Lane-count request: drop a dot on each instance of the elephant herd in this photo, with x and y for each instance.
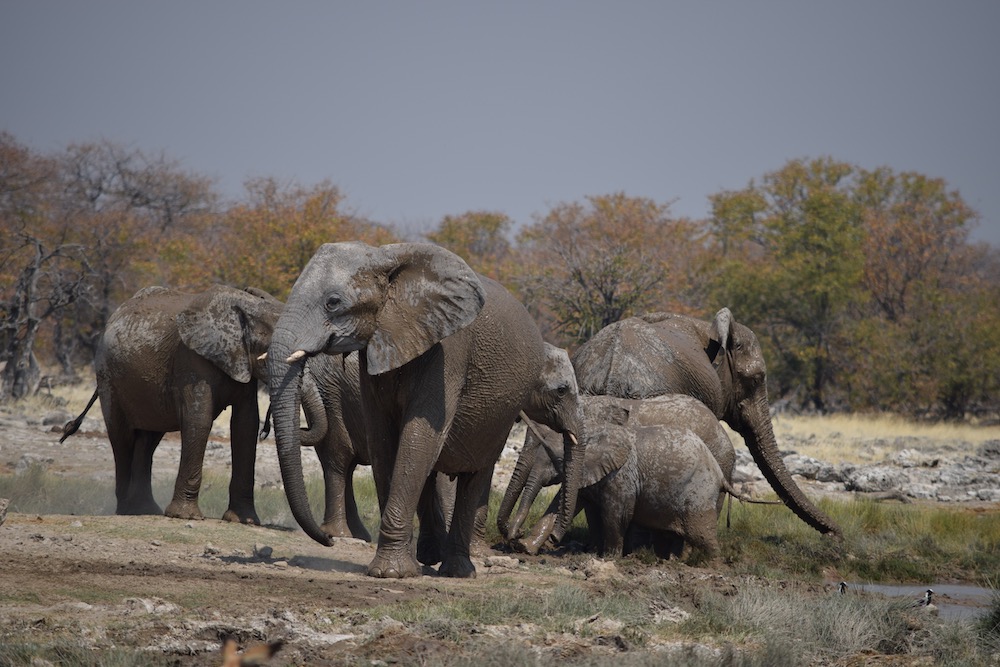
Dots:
(402, 358)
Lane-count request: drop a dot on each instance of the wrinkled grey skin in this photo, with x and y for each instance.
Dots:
(447, 362)
(663, 464)
(171, 361)
(345, 446)
(718, 362)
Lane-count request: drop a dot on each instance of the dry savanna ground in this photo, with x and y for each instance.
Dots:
(81, 586)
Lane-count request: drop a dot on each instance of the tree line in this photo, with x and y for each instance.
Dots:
(863, 286)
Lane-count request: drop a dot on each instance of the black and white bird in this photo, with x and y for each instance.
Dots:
(843, 588)
(926, 600)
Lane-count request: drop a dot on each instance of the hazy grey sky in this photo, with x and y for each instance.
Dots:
(418, 110)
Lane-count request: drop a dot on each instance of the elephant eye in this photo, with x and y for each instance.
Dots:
(332, 302)
(562, 390)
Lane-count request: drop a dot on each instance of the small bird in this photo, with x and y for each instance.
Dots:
(254, 655)
(926, 600)
(843, 588)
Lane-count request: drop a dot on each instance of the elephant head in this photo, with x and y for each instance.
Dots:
(232, 329)
(555, 404)
(392, 302)
(735, 353)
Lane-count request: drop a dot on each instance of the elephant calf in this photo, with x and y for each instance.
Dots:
(663, 464)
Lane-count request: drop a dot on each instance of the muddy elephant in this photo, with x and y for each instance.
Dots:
(718, 362)
(447, 361)
(663, 464)
(172, 361)
(344, 447)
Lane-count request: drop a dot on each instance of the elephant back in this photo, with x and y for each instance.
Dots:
(627, 359)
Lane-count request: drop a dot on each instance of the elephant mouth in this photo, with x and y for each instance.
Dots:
(334, 345)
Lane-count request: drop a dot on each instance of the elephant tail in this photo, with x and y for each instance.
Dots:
(744, 498)
(72, 427)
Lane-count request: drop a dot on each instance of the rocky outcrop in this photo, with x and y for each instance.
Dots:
(908, 473)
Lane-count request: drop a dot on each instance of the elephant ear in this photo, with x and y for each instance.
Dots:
(431, 294)
(608, 449)
(213, 326)
(719, 334)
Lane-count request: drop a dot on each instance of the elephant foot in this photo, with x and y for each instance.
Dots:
(429, 551)
(393, 565)
(251, 518)
(186, 509)
(460, 567)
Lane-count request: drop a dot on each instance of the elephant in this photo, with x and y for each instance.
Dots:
(172, 361)
(447, 360)
(344, 447)
(663, 464)
(718, 362)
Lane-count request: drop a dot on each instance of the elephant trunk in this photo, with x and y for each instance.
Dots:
(285, 385)
(518, 479)
(759, 436)
(573, 465)
(536, 482)
(315, 411)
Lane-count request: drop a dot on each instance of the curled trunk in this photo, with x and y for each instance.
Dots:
(315, 411)
(285, 384)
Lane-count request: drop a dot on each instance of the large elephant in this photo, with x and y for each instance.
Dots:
(663, 464)
(449, 360)
(345, 446)
(718, 362)
(172, 361)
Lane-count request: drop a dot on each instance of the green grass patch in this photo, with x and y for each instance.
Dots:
(882, 541)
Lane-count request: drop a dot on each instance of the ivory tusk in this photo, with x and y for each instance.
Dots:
(262, 357)
(295, 356)
(572, 438)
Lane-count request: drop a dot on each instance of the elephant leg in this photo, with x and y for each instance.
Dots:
(479, 545)
(701, 532)
(123, 447)
(399, 496)
(195, 417)
(468, 497)
(615, 519)
(243, 436)
(433, 522)
(354, 522)
(139, 491)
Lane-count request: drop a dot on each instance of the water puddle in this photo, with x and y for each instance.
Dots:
(954, 601)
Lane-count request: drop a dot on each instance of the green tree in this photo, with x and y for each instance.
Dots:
(791, 268)
(926, 338)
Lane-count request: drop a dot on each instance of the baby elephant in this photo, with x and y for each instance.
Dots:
(661, 464)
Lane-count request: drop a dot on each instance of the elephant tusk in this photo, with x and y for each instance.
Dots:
(295, 356)
(262, 357)
(531, 426)
(572, 438)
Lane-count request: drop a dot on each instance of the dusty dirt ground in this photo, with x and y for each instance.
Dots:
(175, 588)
